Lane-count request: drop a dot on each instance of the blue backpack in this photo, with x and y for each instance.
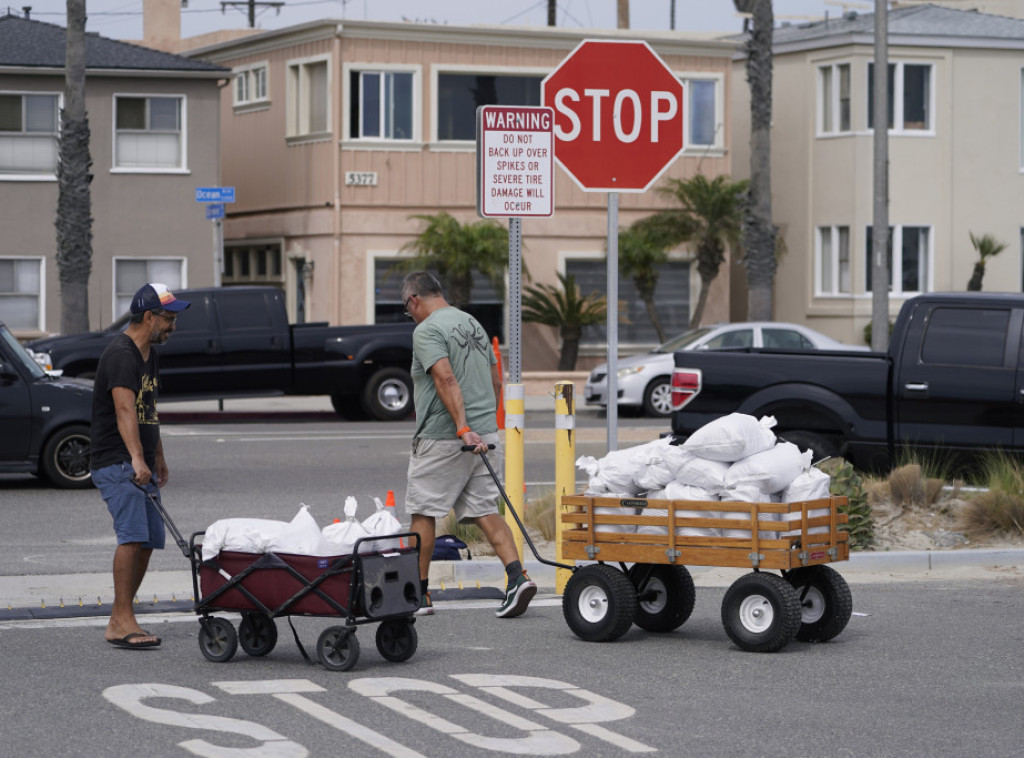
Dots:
(447, 547)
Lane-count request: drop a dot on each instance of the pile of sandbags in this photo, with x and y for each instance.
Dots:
(736, 458)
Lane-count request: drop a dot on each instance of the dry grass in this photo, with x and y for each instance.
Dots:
(1001, 509)
(540, 515)
(909, 485)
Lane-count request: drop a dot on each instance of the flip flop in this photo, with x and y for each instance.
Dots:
(126, 643)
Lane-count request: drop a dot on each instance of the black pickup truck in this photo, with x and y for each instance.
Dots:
(237, 342)
(950, 386)
(45, 420)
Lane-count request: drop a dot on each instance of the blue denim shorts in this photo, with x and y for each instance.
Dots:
(136, 519)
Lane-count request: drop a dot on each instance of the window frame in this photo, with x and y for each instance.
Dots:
(182, 167)
(350, 141)
(8, 176)
(40, 260)
(250, 73)
(835, 100)
(897, 94)
(297, 84)
(834, 240)
(718, 143)
(896, 262)
(183, 269)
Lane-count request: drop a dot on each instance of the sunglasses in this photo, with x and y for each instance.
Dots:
(405, 305)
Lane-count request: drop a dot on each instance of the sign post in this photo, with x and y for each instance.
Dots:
(215, 197)
(618, 127)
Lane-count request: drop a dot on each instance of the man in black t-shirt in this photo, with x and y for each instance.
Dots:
(128, 463)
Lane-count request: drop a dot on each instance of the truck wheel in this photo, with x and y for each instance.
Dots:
(821, 445)
(665, 596)
(599, 604)
(761, 613)
(65, 457)
(349, 407)
(658, 398)
(388, 395)
(825, 602)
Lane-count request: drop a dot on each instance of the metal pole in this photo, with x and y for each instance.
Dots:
(880, 221)
(218, 252)
(565, 469)
(515, 299)
(613, 321)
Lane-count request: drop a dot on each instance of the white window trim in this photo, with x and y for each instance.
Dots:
(350, 142)
(35, 177)
(1020, 94)
(897, 262)
(118, 258)
(41, 314)
(718, 146)
(255, 103)
(819, 260)
(819, 125)
(372, 256)
(183, 168)
(293, 120)
(897, 99)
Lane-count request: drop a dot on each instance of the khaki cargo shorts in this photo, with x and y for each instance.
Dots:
(442, 478)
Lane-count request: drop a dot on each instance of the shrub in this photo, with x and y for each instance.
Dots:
(846, 481)
(1001, 508)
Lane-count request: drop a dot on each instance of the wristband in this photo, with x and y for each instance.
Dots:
(462, 431)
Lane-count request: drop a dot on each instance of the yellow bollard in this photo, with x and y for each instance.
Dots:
(515, 456)
(565, 468)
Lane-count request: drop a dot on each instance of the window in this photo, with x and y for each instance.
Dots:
(910, 270)
(965, 337)
(785, 339)
(251, 85)
(701, 118)
(910, 99)
(459, 95)
(308, 98)
(132, 273)
(148, 132)
(834, 99)
(671, 299)
(28, 134)
(253, 264)
(738, 338)
(833, 260)
(381, 105)
(21, 290)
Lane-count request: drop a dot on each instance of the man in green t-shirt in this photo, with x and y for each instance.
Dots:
(456, 386)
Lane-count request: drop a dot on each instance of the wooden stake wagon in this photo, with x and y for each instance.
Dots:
(761, 612)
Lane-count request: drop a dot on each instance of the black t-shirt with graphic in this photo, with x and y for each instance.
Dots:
(121, 365)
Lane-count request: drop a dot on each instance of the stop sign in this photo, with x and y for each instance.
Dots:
(618, 115)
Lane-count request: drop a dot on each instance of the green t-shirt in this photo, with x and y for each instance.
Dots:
(455, 335)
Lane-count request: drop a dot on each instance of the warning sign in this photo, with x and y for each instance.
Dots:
(515, 160)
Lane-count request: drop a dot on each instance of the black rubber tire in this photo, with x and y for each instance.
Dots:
(349, 407)
(658, 398)
(337, 648)
(257, 634)
(761, 613)
(387, 395)
(674, 596)
(397, 639)
(826, 604)
(65, 457)
(217, 639)
(822, 446)
(599, 603)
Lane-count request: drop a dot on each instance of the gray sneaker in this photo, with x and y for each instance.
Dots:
(517, 597)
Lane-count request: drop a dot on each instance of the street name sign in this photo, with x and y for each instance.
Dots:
(215, 194)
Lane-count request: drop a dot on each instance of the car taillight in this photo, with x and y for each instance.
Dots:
(685, 386)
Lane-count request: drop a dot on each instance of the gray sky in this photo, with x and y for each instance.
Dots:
(122, 19)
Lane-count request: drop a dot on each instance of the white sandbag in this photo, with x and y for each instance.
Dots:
(748, 493)
(656, 463)
(606, 510)
(703, 473)
(772, 470)
(342, 535)
(301, 536)
(381, 523)
(677, 491)
(612, 473)
(241, 535)
(813, 484)
(732, 437)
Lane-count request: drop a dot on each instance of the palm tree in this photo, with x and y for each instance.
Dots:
(643, 246)
(74, 206)
(566, 310)
(455, 250)
(710, 217)
(986, 247)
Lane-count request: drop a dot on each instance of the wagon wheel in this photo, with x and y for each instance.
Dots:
(825, 602)
(217, 639)
(337, 648)
(257, 634)
(397, 639)
(761, 612)
(665, 596)
(599, 604)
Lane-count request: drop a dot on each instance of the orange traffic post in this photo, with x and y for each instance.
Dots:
(501, 373)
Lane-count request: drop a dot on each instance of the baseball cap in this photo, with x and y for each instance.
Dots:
(155, 295)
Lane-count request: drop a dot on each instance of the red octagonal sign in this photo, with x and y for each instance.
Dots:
(618, 115)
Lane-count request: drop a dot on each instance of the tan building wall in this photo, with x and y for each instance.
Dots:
(294, 191)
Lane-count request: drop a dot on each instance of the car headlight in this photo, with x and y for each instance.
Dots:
(624, 372)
